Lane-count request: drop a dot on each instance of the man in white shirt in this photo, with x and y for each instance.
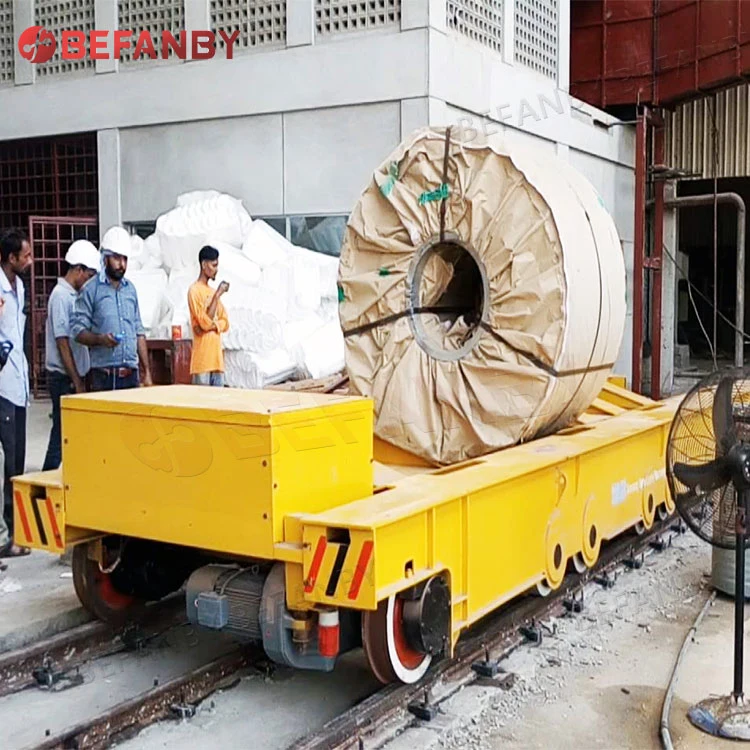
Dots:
(67, 362)
(15, 260)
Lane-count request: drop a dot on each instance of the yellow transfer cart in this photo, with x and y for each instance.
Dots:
(287, 522)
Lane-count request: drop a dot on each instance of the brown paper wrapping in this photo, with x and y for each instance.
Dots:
(548, 267)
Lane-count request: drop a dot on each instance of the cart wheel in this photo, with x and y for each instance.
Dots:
(663, 513)
(97, 593)
(388, 652)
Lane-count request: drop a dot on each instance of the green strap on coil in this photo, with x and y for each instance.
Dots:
(387, 186)
(435, 195)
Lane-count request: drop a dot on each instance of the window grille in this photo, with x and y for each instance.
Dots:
(536, 35)
(261, 23)
(480, 20)
(154, 16)
(341, 17)
(59, 15)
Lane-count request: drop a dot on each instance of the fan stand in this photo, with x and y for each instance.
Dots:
(729, 715)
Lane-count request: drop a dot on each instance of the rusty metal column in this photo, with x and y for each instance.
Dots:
(654, 263)
(639, 246)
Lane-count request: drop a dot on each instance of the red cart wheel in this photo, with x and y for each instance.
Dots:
(388, 652)
(97, 593)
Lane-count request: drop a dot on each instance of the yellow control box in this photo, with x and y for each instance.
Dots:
(214, 468)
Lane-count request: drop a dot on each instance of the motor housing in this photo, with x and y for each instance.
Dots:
(250, 604)
(227, 598)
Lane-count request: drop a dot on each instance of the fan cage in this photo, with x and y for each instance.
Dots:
(710, 515)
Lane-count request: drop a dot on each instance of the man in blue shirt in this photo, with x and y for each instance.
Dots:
(67, 361)
(15, 261)
(107, 319)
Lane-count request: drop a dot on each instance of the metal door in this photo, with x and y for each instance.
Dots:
(50, 238)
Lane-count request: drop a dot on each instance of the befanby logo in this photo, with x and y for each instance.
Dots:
(37, 45)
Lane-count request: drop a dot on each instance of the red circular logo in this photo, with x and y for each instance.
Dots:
(36, 44)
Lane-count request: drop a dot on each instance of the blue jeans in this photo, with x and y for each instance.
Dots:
(59, 385)
(209, 378)
(108, 380)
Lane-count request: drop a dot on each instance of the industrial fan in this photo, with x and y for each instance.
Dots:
(708, 471)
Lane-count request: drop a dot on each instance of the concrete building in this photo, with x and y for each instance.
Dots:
(316, 95)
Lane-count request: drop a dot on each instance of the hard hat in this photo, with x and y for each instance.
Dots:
(83, 253)
(117, 240)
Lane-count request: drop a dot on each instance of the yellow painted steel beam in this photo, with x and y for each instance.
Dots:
(296, 478)
(495, 526)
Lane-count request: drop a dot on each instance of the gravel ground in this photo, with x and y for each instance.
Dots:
(598, 678)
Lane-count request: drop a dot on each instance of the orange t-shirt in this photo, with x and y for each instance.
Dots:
(207, 354)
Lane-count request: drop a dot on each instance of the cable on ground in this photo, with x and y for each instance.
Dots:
(666, 737)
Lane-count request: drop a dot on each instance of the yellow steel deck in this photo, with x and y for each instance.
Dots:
(294, 481)
(498, 525)
(217, 469)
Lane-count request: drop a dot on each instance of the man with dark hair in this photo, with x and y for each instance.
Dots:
(208, 320)
(15, 261)
(67, 361)
(107, 319)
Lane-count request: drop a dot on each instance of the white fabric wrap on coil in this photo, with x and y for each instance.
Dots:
(554, 296)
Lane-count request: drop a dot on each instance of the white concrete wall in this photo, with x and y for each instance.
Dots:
(298, 130)
(307, 162)
(368, 68)
(329, 155)
(242, 156)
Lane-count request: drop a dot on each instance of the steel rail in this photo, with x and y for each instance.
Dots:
(486, 643)
(54, 657)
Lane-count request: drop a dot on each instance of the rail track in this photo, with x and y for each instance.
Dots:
(55, 660)
(479, 652)
(58, 659)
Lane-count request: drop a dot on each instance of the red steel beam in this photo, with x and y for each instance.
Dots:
(655, 266)
(639, 246)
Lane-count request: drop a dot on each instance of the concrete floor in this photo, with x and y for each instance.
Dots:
(599, 678)
(38, 425)
(36, 592)
(37, 599)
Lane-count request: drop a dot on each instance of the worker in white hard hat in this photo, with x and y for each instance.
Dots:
(107, 319)
(16, 260)
(67, 361)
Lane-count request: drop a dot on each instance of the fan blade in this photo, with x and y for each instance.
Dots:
(723, 420)
(704, 477)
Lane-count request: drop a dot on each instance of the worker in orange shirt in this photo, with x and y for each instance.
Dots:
(208, 320)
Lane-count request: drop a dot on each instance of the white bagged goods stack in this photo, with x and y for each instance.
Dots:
(235, 267)
(265, 246)
(519, 251)
(136, 258)
(151, 252)
(282, 300)
(322, 352)
(185, 229)
(151, 286)
(256, 319)
(309, 282)
(176, 296)
(195, 196)
(244, 369)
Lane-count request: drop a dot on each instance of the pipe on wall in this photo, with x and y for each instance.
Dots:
(690, 201)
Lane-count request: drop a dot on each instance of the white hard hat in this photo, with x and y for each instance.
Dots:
(117, 240)
(83, 253)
